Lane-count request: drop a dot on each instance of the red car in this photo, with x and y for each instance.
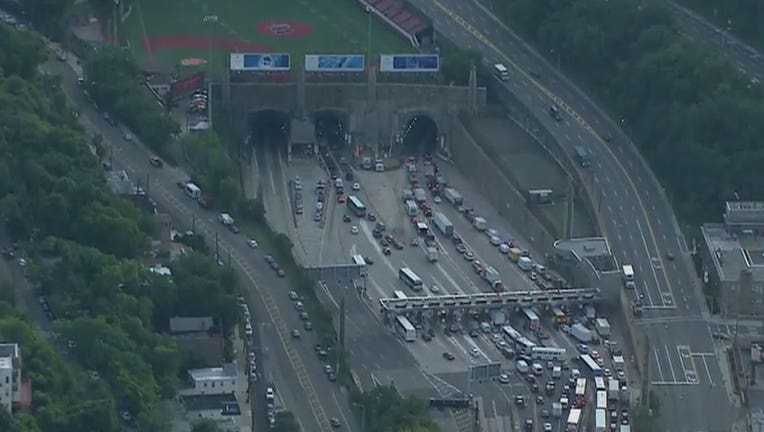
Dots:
(341, 199)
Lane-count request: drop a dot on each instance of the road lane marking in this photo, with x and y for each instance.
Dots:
(562, 104)
(671, 366)
(658, 362)
(649, 256)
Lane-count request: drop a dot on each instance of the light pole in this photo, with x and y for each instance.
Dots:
(116, 4)
(368, 14)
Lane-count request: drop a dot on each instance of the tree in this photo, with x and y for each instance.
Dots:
(205, 425)
(286, 422)
(48, 15)
(456, 65)
(385, 410)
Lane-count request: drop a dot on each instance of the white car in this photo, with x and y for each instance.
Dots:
(547, 427)
(474, 352)
(252, 243)
(434, 288)
(356, 187)
(354, 230)
(437, 200)
(504, 379)
(293, 295)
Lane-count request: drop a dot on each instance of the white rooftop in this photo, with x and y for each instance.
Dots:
(214, 374)
(6, 363)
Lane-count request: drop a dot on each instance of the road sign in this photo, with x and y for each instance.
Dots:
(337, 273)
(485, 371)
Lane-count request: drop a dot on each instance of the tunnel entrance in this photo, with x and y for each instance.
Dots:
(420, 136)
(269, 129)
(330, 129)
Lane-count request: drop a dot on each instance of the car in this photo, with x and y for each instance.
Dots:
(547, 427)
(354, 230)
(293, 295)
(269, 259)
(461, 248)
(328, 369)
(356, 187)
(298, 306)
(346, 218)
(398, 245)
(341, 199)
(386, 251)
(335, 422)
(520, 400)
(252, 243)
(607, 373)
(308, 326)
(600, 362)
(280, 272)
(155, 161)
(474, 352)
(469, 255)
(437, 199)
(620, 374)
(127, 137)
(296, 334)
(669, 256)
(434, 288)
(504, 378)
(304, 316)
(368, 260)
(371, 217)
(607, 137)
(448, 356)
(474, 334)
(544, 413)
(332, 377)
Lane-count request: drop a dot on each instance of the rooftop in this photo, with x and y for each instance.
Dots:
(744, 212)
(733, 253)
(9, 350)
(6, 363)
(217, 373)
(227, 403)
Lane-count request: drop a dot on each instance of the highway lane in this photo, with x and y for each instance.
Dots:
(638, 219)
(304, 380)
(745, 57)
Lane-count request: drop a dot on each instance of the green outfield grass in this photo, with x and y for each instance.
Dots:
(205, 28)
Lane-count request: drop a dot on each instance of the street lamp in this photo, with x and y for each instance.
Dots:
(368, 14)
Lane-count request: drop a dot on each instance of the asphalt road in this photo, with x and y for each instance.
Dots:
(638, 219)
(746, 58)
(298, 376)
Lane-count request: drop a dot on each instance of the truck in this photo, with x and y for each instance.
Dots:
(581, 333)
(600, 420)
(628, 276)
(453, 197)
(444, 225)
(556, 372)
(411, 208)
(557, 409)
(525, 263)
(625, 428)
(432, 253)
(420, 195)
(514, 254)
(618, 362)
(493, 278)
(603, 327)
(613, 390)
(429, 170)
(479, 223)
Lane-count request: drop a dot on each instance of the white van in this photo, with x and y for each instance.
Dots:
(225, 219)
(521, 366)
(504, 248)
(485, 327)
(192, 190)
(501, 71)
(538, 369)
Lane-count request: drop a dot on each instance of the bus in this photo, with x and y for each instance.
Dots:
(560, 317)
(602, 400)
(405, 328)
(599, 383)
(591, 364)
(548, 353)
(522, 343)
(574, 418)
(356, 206)
(534, 324)
(410, 278)
(358, 260)
(399, 295)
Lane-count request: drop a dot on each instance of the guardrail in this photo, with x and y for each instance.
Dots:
(491, 300)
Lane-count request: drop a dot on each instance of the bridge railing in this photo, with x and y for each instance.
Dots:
(491, 300)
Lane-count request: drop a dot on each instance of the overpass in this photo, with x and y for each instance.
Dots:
(489, 300)
(375, 113)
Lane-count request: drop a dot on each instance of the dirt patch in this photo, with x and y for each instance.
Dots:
(201, 42)
(284, 29)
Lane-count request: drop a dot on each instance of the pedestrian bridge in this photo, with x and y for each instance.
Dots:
(490, 300)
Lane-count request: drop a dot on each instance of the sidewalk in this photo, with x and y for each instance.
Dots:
(242, 393)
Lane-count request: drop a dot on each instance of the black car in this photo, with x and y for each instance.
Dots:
(368, 260)
(346, 218)
(448, 356)
(386, 251)
(371, 217)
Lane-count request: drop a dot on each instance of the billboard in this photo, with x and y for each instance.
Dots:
(260, 62)
(186, 86)
(409, 63)
(334, 63)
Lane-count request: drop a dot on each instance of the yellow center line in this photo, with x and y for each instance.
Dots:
(577, 117)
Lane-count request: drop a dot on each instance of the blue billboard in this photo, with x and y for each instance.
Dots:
(334, 63)
(409, 63)
(260, 62)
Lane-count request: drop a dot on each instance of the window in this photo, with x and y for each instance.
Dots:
(213, 384)
(205, 384)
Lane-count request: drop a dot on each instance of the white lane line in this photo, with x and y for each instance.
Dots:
(671, 366)
(658, 362)
(448, 277)
(708, 371)
(649, 257)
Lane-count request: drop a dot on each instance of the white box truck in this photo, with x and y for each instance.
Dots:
(444, 225)
(581, 333)
(628, 276)
(614, 390)
(479, 223)
(494, 279)
(557, 409)
(603, 327)
(411, 208)
(453, 197)
(420, 195)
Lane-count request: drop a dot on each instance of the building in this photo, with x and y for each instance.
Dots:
(14, 393)
(223, 409)
(191, 324)
(212, 381)
(732, 255)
